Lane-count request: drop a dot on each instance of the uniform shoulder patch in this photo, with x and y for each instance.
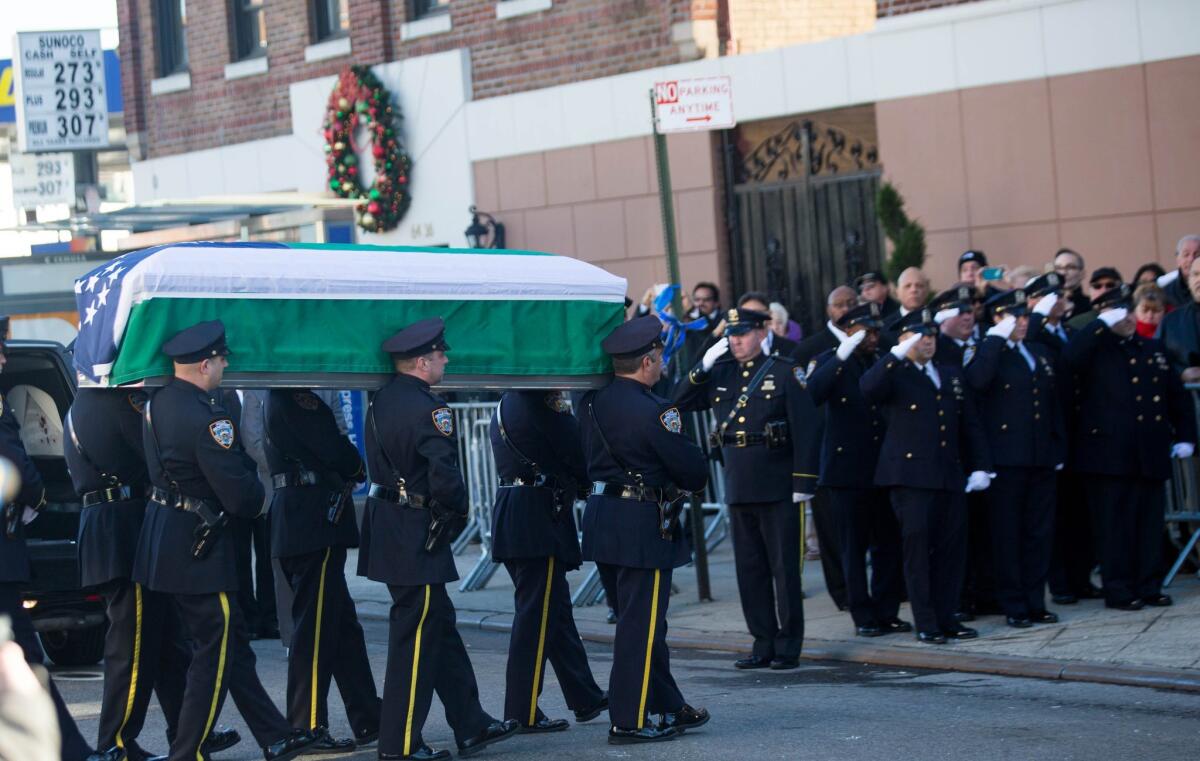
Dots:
(557, 401)
(443, 420)
(801, 378)
(222, 432)
(671, 420)
(306, 400)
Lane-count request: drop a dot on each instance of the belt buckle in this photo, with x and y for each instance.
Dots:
(739, 438)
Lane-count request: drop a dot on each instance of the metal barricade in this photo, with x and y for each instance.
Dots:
(473, 420)
(1183, 501)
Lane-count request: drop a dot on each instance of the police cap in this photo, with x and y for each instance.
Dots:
(417, 340)
(201, 341)
(742, 320)
(634, 338)
(1121, 296)
(869, 315)
(1008, 303)
(958, 296)
(867, 278)
(1042, 285)
(918, 321)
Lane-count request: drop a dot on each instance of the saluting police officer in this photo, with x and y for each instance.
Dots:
(642, 467)
(314, 468)
(1016, 386)
(854, 431)
(417, 499)
(933, 435)
(764, 423)
(535, 441)
(200, 477)
(1134, 416)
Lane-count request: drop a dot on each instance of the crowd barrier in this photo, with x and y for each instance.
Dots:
(1183, 502)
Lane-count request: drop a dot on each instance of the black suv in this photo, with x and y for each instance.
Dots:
(39, 382)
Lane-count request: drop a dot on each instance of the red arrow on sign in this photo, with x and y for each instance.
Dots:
(705, 118)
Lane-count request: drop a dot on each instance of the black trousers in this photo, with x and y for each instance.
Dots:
(1075, 538)
(256, 578)
(1129, 517)
(544, 629)
(74, 747)
(1021, 509)
(979, 580)
(327, 644)
(426, 655)
(222, 663)
(144, 652)
(825, 521)
(933, 525)
(866, 523)
(768, 553)
(640, 681)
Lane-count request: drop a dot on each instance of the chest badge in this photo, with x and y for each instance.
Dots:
(222, 432)
(443, 420)
(768, 384)
(671, 420)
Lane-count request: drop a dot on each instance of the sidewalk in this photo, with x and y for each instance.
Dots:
(1156, 647)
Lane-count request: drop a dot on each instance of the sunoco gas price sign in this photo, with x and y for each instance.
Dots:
(60, 91)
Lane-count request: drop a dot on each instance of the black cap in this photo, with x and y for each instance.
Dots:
(418, 339)
(972, 256)
(1106, 272)
(1121, 296)
(634, 338)
(1051, 282)
(1008, 302)
(918, 321)
(868, 314)
(742, 320)
(201, 341)
(959, 295)
(868, 277)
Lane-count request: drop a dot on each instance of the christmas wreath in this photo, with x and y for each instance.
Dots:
(357, 99)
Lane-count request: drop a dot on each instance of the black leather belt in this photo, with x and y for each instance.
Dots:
(743, 439)
(541, 480)
(179, 501)
(388, 494)
(625, 491)
(296, 478)
(117, 493)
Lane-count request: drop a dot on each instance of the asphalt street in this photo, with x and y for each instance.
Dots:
(820, 711)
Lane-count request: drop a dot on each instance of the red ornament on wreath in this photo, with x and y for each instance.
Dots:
(359, 99)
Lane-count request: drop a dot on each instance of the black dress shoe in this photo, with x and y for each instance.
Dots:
(323, 742)
(753, 662)
(1159, 600)
(423, 753)
(1044, 617)
(1018, 622)
(785, 664)
(931, 638)
(1135, 604)
(684, 719)
(870, 630)
(300, 741)
(960, 632)
(963, 616)
(544, 724)
(590, 713)
(1091, 592)
(493, 733)
(1064, 599)
(366, 738)
(618, 736)
(896, 626)
(611, 617)
(221, 738)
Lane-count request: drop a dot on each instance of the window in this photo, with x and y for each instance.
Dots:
(425, 8)
(249, 29)
(170, 27)
(331, 18)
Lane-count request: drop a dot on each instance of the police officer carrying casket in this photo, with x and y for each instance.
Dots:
(642, 467)
(764, 423)
(417, 499)
(200, 476)
(314, 469)
(854, 432)
(1016, 386)
(535, 441)
(933, 436)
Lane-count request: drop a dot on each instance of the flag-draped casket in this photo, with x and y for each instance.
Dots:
(316, 314)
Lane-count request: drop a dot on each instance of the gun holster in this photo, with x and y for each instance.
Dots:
(444, 525)
(775, 434)
(714, 447)
(211, 523)
(337, 503)
(669, 511)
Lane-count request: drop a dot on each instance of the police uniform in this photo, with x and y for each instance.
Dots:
(14, 561)
(637, 457)
(854, 432)
(764, 422)
(1016, 386)
(932, 435)
(535, 441)
(953, 350)
(412, 456)
(313, 470)
(1133, 408)
(201, 477)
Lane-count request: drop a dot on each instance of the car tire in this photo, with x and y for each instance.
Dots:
(76, 647)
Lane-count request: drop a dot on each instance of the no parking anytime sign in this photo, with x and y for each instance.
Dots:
(688, 105)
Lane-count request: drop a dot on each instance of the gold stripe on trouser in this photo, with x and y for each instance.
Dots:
(412, 690)
(803, 537)
(537, 668)
(649, 650)
(137, 657)
(317, 639)
(212, 711)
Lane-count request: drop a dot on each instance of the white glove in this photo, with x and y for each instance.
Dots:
(1113, 316)
(900, 350)
(979, 480)
(798, 497)
(1183, 450)
(1004, 328)
(28, 516)
(1046, 304)
(713, 354)
(1168, 278)
(849, 344)
(946, 314)
(1060, 466)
